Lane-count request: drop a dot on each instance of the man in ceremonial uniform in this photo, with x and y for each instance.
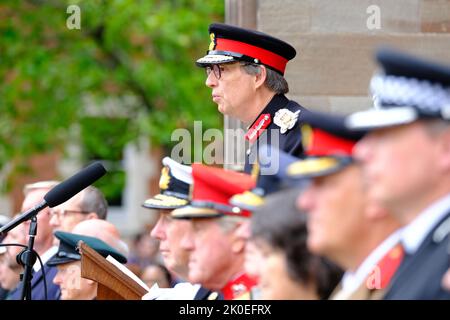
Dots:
(174, 193)
(245, 70)
(406, 161)
(174, 185)
(342, 224)
(216, 251)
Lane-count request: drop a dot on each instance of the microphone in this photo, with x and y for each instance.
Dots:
(61, 193)
(70, 187)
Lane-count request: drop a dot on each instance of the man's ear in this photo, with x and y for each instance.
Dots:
(237, 242)
(444, 146)
(91, 215)
(261, 76)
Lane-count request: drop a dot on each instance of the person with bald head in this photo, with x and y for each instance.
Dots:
(73, 286)
(103, 230)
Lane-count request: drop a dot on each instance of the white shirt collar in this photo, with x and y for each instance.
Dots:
(351, 281)
(416, 231)
(45, 257)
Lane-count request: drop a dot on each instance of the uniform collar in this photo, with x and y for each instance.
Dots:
(277, 102)
(415, 232)
(265, 118)
(352, 280)
(45, 257)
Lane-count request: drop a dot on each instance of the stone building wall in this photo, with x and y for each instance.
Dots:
(335, 41)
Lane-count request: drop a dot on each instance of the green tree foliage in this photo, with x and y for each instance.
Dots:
(141, 51)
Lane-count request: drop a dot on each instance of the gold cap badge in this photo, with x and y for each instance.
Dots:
(212, 45)
(164, 180)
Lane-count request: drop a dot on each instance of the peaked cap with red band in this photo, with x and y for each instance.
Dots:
(211, 192)
(230, 43)
(328, 145)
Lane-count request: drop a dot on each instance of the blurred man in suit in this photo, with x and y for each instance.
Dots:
(3, 221)
(406, 160)
(9, 272)
(10, 269)
(90, 203)
(43, 243)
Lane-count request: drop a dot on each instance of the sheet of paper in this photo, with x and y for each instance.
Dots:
(128, 272)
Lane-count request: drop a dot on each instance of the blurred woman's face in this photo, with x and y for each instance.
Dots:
(275, 282)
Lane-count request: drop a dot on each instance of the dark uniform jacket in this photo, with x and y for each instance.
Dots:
(206, 294)
(260, 132)
(37, 286)
(420, 275)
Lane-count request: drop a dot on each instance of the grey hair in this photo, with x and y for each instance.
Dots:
(229, 223)
(93, 200)
(274, 81)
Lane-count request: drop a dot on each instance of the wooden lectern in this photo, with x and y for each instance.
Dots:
(113, 284)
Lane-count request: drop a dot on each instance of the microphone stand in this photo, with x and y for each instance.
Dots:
(27, 258)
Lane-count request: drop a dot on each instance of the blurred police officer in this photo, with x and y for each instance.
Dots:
(406, 158)
(245, 70)
(342, 224)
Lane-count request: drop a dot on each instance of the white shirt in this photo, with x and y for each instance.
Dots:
(351, 281)
(417, 230)
(45, 257)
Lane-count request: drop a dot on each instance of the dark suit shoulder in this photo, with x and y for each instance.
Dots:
(420, 276)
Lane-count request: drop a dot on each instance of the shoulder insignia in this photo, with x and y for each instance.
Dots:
(213, 296)
(307, 136)
(285, 119)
